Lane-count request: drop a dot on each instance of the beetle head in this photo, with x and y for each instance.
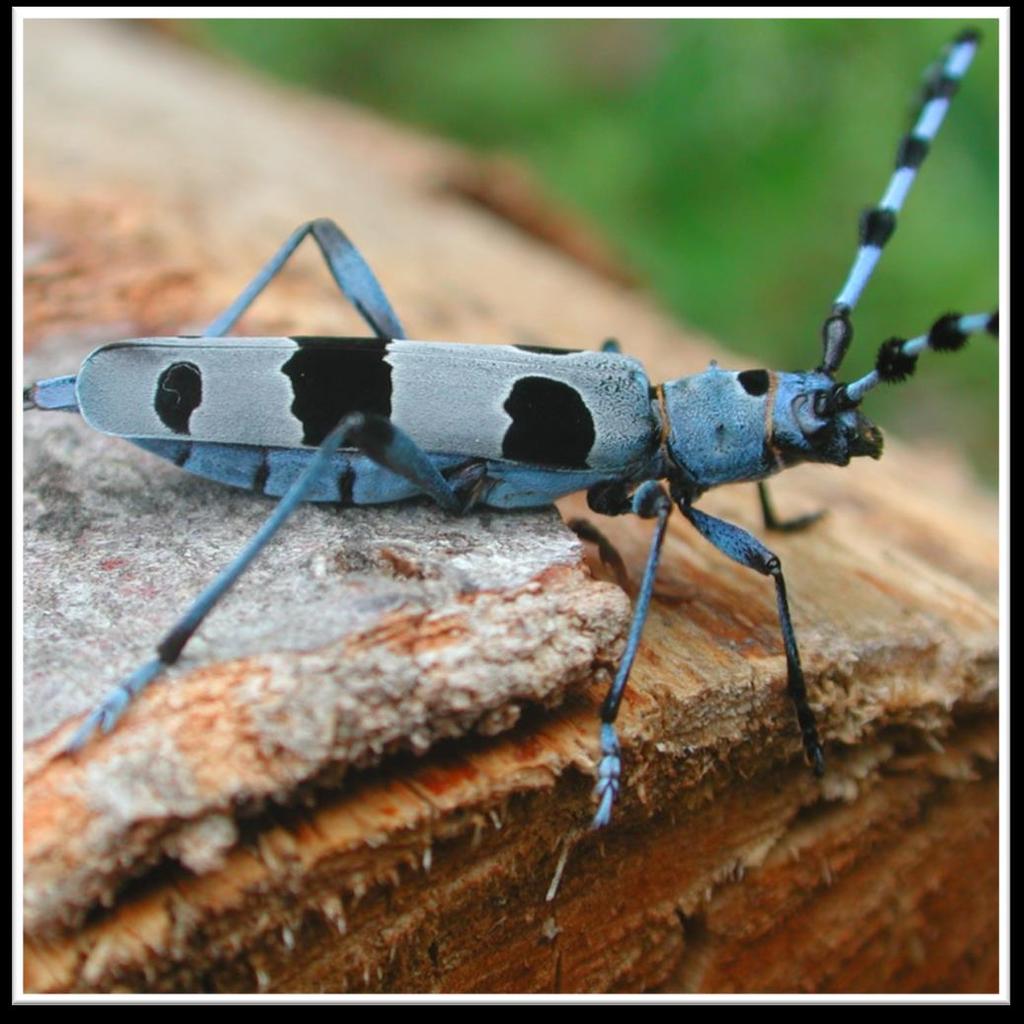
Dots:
(813, 422)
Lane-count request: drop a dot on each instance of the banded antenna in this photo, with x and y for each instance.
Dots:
(878, 223)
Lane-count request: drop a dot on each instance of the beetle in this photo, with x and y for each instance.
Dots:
(358, 421)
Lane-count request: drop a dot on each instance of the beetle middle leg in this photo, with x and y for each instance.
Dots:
(649, 501)
(372, 435)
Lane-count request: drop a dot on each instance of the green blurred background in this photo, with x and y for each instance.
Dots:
(726, 162)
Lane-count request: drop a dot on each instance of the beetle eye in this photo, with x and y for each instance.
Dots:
(823, 403)
(808, 417)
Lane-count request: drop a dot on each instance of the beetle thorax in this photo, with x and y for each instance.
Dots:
(717, 423)
(727, 426)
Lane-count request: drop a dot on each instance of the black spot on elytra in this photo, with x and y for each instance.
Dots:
(754, 382)
(179, 392)
(332, 377)
(551, 424)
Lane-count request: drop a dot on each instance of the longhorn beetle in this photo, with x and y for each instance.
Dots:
(358, 422)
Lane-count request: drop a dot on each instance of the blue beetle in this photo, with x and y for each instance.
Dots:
(369, 421)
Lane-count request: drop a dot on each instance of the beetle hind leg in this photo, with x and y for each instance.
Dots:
(350, 271)
(372, 435)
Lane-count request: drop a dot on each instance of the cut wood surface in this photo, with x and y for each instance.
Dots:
(373, 770)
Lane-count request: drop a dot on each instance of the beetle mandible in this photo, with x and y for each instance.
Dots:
(356, 422)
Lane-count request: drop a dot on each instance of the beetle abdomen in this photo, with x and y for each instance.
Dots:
(353, 479)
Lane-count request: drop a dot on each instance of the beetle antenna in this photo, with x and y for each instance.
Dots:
(897, 357)
(878, 223)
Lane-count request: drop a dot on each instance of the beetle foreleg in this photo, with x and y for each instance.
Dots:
(746, 549)
(772, 522)
(649, 502)
(348, 268)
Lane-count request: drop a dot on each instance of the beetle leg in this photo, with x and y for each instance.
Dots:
(586, 530)
(350, 271)
(469, 482)
(650, 501)
(372, 435)
(747, 550)
(772, 522)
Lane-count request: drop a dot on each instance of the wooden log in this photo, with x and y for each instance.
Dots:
(254, 822)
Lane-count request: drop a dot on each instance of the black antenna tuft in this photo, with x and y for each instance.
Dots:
(892, 364)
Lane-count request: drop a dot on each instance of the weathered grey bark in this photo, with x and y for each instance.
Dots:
(156, 183)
